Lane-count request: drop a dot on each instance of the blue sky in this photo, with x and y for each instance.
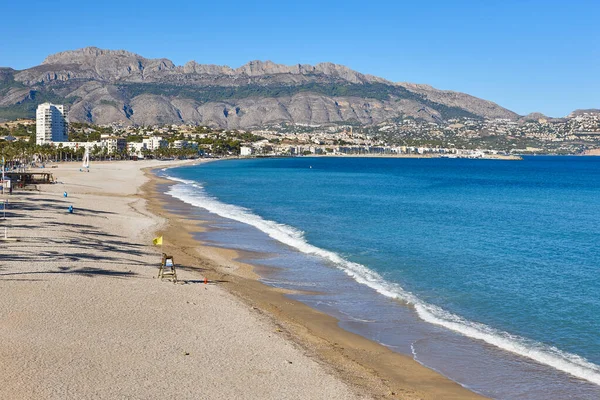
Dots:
(526, 55)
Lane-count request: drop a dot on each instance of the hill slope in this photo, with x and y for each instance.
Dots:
(104, 86)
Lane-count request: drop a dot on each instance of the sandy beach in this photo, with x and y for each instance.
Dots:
(84, 316)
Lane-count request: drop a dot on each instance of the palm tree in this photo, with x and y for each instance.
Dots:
(79, 153)
(95, 150)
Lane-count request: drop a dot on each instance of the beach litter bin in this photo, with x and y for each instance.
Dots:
(70, 209)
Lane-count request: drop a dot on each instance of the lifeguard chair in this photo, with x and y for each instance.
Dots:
(167, 268)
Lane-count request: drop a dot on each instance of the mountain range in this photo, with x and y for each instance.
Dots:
(108, 86)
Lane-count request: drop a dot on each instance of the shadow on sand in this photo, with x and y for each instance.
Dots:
(85, 271)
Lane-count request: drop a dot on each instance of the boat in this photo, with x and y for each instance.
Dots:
(86, 159)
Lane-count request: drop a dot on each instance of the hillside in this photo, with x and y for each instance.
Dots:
(105, 86)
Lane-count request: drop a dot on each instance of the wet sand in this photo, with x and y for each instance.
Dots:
(360, 362)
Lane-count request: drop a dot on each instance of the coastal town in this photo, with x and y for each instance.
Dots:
(56, 138)
(311, 200)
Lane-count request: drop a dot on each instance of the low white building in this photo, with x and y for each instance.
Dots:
(114, 144)
(246, 151)
(136, 149)
(179, 144)
(78, 145)
(155, 142)
(111, 144)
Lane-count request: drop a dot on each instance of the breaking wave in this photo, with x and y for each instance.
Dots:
(193, 193)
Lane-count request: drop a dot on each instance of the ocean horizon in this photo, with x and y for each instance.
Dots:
(482, 270)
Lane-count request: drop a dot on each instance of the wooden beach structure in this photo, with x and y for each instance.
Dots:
(20, 179)
(167, 268)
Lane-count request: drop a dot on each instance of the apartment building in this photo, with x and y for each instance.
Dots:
(51, 124)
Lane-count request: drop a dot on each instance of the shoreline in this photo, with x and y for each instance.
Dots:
(421, 156)
(360, 362)
(408, 156)
(84, 316)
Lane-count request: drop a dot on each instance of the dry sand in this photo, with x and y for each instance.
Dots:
(83, 315)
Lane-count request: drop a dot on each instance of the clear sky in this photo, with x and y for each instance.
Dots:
(526, 55)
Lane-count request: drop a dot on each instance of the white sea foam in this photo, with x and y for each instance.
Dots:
(192, 193)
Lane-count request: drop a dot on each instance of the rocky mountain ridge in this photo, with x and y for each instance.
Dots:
(106, 86)
(111, 65)
(575, 113)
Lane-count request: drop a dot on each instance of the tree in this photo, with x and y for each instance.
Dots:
(95, 151)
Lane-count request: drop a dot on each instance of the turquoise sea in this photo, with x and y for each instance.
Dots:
(486, 271)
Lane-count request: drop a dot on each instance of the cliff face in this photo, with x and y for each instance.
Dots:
(104, 86)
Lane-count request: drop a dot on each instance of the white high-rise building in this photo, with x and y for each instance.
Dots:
(51, 124)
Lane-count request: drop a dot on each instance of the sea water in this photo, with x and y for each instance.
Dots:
(486, 271)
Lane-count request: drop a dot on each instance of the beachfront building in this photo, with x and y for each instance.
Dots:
(154, 142)
(136, 149)
(114, 144)
(51, 124)
(179, 144)
(92, 146)
(245, 151)
(106, 146)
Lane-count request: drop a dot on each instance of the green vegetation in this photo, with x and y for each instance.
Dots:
(84, 137)
(220, 146)
(22, 152)
(84, 132)
(134, 139)
(206, 94)
(110, 103)
(26, 108)
(19, 130)
(7, 81)
(248, 137)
